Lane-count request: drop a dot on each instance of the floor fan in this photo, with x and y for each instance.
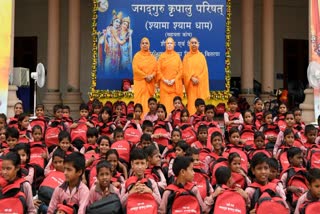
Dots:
(39, 80)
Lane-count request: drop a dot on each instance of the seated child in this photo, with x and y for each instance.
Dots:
(72, 190)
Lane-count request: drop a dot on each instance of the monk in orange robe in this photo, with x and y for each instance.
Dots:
(195, 75)
(144, 66)
(170, 75)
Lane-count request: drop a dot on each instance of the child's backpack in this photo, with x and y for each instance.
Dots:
(188, 134)
(238, 180)
(67, 208)
(296, 177)
(247, 135)
(130, 108)
(175, 117)
(132, 134)
(266, 201)
(140, 203)
(25, 138)
(94, 119)
(80, 131)
(13, 123)
(51, 136)
(309, 207)
(258, 119)
(196, 118)
(218, 163)
(109, 104)
(243, 156)
(12, 198)
(161, 127)
(182, 199)
(229, 202)
(232, 117)
(201, 180)
(123, 148)
(105, 129)
(220, 109)
(53, 180)
(37, 149)
(40, 121)
(283, 160)
(313, 158)
(110, 204)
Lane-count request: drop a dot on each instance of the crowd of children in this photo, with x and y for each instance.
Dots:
(116, 159)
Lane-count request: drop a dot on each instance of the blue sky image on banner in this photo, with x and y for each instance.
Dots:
(121, 24)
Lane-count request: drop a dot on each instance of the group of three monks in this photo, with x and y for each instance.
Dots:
(170, 73)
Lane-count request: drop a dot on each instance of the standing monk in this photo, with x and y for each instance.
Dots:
(195, 75)
(170, 75)
(144, 66)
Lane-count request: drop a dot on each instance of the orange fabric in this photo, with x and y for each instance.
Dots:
(195, 65)
(170, 67)
(143, 64)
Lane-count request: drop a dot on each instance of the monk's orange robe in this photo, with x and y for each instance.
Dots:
(144, 64)
(195, 65)
(170, 67)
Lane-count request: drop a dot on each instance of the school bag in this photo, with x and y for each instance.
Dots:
(140, 203)
(182, 199)
(313, 157)
(266, 201)
(40, 121)
(201, 180)
(37, 149)
(244, 158)
(175, 117)
(296, 177)
(283, 160)
(132, 134)
(67, 208)
(188, 134)
(161, 127)
(25, 138)
(218, 163)
(51, 136)
(106, 205)
(12, 198)
(130, 108)
(309, 207)
(80, 131)
(123, 148)
(229, 202)
(220, 109)
(13, 123)
(53, 180)
(247, 135)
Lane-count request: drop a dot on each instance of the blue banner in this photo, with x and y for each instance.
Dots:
(121, 24)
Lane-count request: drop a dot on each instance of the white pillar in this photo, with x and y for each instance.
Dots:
(52, 95)
(73, 95)
(247, 52)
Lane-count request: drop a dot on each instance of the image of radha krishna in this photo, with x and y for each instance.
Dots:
(115, 46)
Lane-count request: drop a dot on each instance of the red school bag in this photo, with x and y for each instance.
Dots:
(266, 201)
(40, 121)
(283, 160)
(182, 199)
(51, 136)
(161, 127)
(188, 134)
(313, 157)
(140, 203)
(37, 149)
(130, 108)
(80, 131)
(175, 117)
(132, 134)
(12, 198)
(53, 180)
(309, 207)
(229, 202)
(123, 148)
(201, 180)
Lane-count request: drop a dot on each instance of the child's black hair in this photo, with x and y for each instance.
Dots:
(176, 130)
(313, 175)
(138, 105)
(257, 99)
(309, 128)
(4, 117)
(57, 107)
(258, 134)
(266, 113)
(215, 134)
(40, 106)
(184, 111)
(25, 147)
(117, 131)
(288, 113)
(78, 143)
(77, 160)
(194, 151)
(202, 128)
(21, 117)
(257, 159)
(222, 174)
(183, 145)
(209, 107)
(152, 99)
(35, 128)
(198, 102)
(112, 151)
(66, 107)
(177, 98)
(137, 154)
(273, 163)
(150, 150)
(146, 124)
(12, 132)
(181, 163)
(145, 137)
(103, 137)
(103, 164)
(287, 131)
(92, 132)
(83, 106)
(232, 99)
(232, 156)
(292, 151)
(16, 161)
(64, 134)
(59, 153)
(250, 111)
(108, 110)
(233, 130)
